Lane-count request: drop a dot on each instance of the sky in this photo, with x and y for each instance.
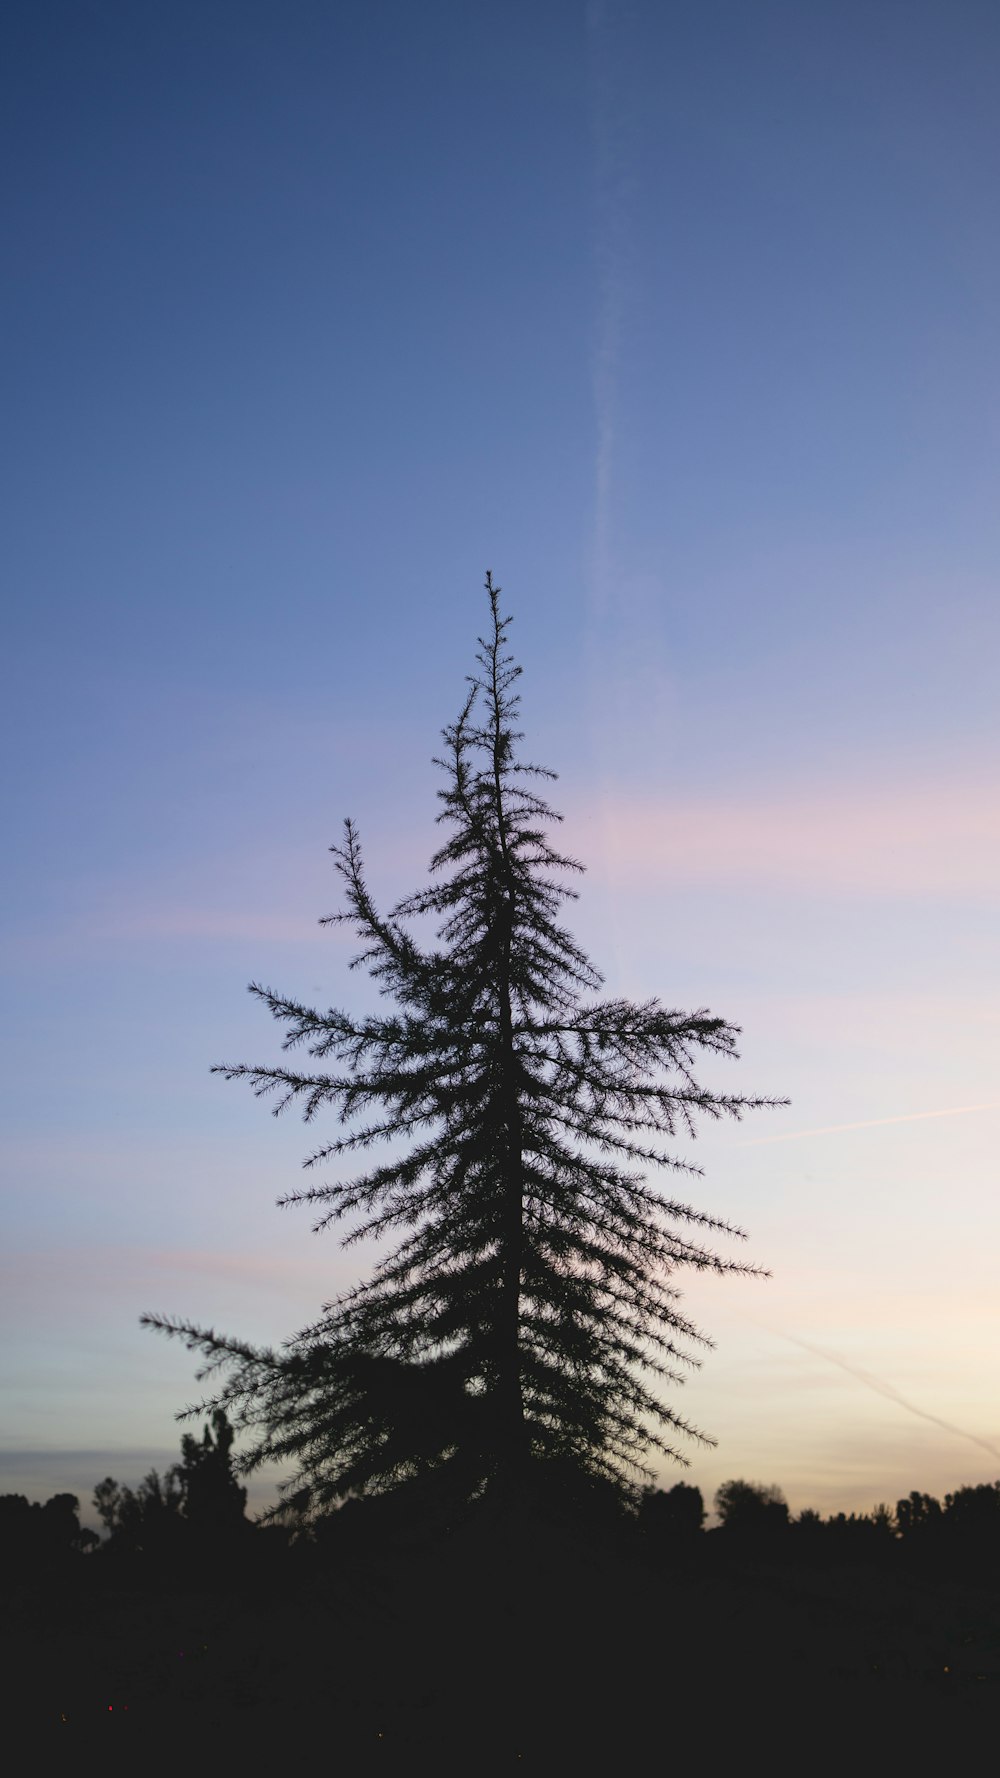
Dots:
(682, 319)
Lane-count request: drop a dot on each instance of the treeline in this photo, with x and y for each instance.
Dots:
(190, 1524)
(962, 1531)
(193, 1515)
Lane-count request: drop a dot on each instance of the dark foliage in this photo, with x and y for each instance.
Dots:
(751, 1507)
(213, 1502)
(41, 1539)
(975, 1510)
(918, 1515)
(141, 1516)
(569, 1642)
(672, 1515)
(188, 1519)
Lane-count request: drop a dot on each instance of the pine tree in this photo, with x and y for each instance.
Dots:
(527, 1315)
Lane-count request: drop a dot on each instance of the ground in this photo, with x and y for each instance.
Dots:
(563, 1656)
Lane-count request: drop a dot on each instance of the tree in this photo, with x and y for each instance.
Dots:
(42, 1539)
(751, 1506)
(672, 1513)
(213, 1501)
(918, 1516)
(883, 1520)
(145, 1517)
(201, 1490)
(528, 1312)
(974, 1509)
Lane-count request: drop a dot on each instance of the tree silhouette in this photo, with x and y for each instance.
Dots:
(213, 1501)
(751, 1507)
(201, 1490)
(975, 1510)
(672, 1513)
(528, 1313)
(919, 1516)
(143, 1518)
(41, 1539)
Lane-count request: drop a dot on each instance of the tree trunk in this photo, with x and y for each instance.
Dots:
(512, 1449)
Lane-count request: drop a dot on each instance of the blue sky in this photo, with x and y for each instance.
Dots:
(683, 320)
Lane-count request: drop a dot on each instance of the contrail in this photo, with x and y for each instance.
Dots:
(613, 182)
(605, 358)
(613, 193)
(886, 1389)
(869, 1123)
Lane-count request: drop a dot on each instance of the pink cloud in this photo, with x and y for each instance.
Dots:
(930, 838)
(98, 1269)
(239, 898)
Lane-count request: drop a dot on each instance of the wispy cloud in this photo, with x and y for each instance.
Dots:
(887, 1390)
(907, 839)
(268, 1269)
(245, 894)
(105, 1275)
(869, 1123)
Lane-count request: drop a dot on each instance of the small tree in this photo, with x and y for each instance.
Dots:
(751, 1506)
(41, 1538)
(214, 1503)
(918, 1516)
(674, 1514)
(201, 1489)
(974, 1508)
(146, 1519)
(528, 1312)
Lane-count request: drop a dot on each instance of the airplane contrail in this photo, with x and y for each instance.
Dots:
(613, 185)
(885, 1389)
(868, 1123)
(611, 233)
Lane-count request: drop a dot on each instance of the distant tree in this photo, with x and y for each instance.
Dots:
(160, 1497)
(44, 1538)
(918, 1515)
(145, 1518)
(751, 1506)
(974, 1511)
(60, 1521)
(528, 1314)
(14, 1509)
(677, 1512)
(859, 1531)
(109, 1504)
(201, 1491)
(212, 1499)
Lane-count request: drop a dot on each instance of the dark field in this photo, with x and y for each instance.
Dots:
(544, 1652)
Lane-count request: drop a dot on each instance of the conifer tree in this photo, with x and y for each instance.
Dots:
(527, 1312)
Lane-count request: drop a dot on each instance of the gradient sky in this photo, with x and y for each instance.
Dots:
(684, 319)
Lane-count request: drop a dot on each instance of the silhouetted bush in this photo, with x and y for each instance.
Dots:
(975, 1511)
(41, 1539)
(672, 1515)
(918, 1517)
(751, 1509)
